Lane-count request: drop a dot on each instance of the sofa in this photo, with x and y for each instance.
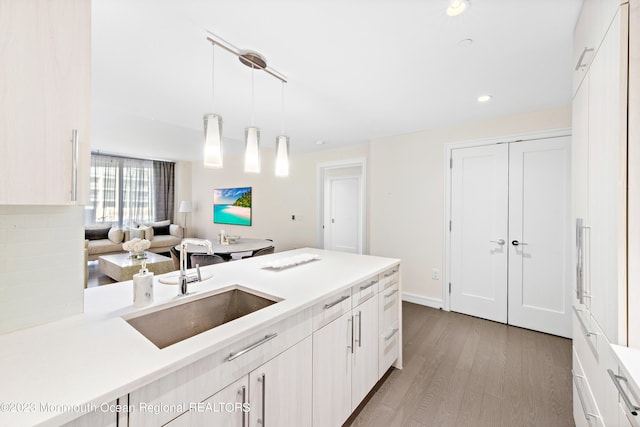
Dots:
(108, 239)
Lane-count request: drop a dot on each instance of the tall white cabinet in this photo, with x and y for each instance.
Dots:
(599, 197)
(45, 71)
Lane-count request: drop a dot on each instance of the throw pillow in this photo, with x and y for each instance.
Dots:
(162, 230)
(148, 232)
(136, 232)
(96, 233)
(116, 235)
(160, 223)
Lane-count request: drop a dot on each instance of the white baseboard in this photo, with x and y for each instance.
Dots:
(418, 299)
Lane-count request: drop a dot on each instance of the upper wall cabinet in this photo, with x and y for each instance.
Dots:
(595, 18)
(45, 60)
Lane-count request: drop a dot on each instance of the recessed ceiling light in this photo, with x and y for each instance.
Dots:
(484, 98)
(320, 142)
(456, 7)
(465, 42)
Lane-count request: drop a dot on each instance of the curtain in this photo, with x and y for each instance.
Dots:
(137, 192)
(163, 181)
(126, 191)
(103, 203)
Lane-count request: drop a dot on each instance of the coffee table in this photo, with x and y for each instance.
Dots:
(122, 267)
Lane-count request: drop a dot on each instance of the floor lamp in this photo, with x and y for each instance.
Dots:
(185, 208)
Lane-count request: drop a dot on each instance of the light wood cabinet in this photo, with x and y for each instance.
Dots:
(227, 408)
(277, 393)
(345, 358)
(281, 390)
(332, 352)
(45, 64)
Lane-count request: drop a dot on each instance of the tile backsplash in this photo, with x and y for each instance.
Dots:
(41, 264)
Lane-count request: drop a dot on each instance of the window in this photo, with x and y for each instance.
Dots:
(125, 191)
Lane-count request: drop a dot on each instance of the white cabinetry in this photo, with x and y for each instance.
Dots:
(332, 372)
(280, 390)
(45, 58)
(599, 180)
(389, 321)
(278, 393)
(345, 357)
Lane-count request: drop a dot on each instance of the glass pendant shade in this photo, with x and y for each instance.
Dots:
(252, 150)
(282, 155)
(212, 141)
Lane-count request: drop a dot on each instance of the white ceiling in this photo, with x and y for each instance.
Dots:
(357, 69)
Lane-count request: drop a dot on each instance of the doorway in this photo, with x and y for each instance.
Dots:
(342, 206)
(508, 231)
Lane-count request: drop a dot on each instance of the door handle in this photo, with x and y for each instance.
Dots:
(517, 243)
(499, 241)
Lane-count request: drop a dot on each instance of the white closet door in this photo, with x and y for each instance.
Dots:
(479, 214)
(539, 233)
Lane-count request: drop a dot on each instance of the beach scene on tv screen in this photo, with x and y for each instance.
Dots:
(232, 206)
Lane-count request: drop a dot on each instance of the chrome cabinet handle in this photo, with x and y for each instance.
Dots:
(251, 347)
(367, 286)
(587, 332)
(350, 320)
(243, 391)
(336, 302)
(580, 65)
(359, 315)
(586, 412)
(388, 337)
(499, 241)
(74, 165)
(390, 294)
(633, 409)
(518, 243)
(391, 273)
(262, 379)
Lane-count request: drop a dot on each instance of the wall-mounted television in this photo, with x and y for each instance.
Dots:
(232, 206)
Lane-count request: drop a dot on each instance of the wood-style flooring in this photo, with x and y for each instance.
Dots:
(464, 371)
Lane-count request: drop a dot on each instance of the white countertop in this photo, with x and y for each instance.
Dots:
(97, 357)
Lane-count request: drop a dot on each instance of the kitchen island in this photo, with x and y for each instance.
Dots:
(95, 368)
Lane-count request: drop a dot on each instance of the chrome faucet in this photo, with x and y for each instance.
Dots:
(183, 279)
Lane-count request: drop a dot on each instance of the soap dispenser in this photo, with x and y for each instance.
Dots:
(142, 288)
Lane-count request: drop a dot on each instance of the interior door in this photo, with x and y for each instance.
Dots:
(479, 215)
(539, 233)
(342, 227)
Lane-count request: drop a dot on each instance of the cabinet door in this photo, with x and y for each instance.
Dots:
(280, 390)
(580, 182)
(607, 181)
(332, 354)
(45, 60)
(365, 356)
(227, 408)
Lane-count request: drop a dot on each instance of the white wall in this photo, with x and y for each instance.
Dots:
(41, 264)
(407, 194)
(275, 199)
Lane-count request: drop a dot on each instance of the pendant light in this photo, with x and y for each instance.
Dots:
(212, 130)
(282, 147)
(252, 139)
(254, 60)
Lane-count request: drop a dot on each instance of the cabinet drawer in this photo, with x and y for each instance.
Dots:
(364, 290)
(633, 395)
(331, 308)
(585, 411)
(388, 347)
(389, 277)
(388, 302)
(201, 379)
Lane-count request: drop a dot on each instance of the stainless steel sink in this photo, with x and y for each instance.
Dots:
(173, 324)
